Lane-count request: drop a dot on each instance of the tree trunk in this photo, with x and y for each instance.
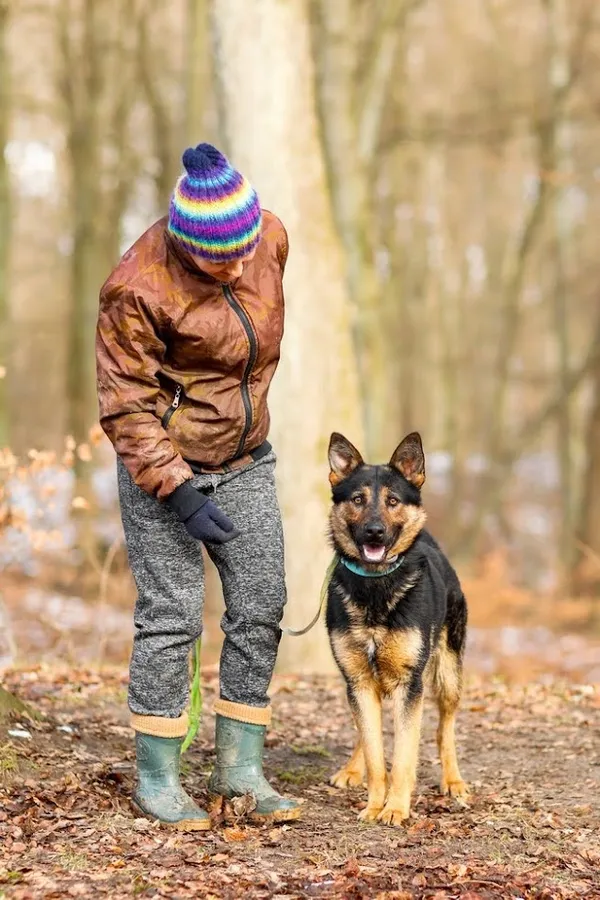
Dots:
(265, 69)
(351, 125)
(5, 220)
(585, 575)
(559, 76)
(201, 115)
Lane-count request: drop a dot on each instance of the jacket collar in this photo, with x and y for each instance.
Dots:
(184, 259)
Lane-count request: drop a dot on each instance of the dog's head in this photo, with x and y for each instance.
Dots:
(377, 511)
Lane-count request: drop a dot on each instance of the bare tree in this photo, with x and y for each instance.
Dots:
(559, 78)
(270, 123)
(81, 89)
(356, 49)
(5, 217)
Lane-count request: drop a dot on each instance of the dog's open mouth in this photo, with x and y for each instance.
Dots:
(373, 552)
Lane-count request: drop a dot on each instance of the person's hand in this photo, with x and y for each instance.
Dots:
(202, 518)
(211, 525)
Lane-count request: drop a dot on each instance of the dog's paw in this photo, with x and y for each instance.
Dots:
(459, 790)
(393, 815)
(347, 778)
(370, 814)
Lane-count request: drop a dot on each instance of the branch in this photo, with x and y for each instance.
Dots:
(530, 431)
(379, 75)
(532, 428)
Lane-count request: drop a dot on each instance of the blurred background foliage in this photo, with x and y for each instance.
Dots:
(436, 167)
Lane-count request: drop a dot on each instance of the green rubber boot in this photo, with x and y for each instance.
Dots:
(158, 792)
(239, 771)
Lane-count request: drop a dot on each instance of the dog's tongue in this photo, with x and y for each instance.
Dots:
(374, 552)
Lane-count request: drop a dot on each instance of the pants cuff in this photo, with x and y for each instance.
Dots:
(157, 726)
(252, 715)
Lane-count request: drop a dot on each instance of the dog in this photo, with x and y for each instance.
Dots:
(396, 619)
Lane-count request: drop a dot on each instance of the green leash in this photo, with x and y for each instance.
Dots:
(195, 713)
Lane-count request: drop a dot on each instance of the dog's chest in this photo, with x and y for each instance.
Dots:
(378, 653)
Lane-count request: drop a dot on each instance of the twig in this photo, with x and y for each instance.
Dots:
(458, 884)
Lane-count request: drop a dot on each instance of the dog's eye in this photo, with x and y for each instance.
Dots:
(358, 500)
(393, 501)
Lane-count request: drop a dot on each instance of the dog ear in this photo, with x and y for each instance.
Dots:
(344, 458)
(408, 458)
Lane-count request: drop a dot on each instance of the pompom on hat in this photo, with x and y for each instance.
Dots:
(214, 211)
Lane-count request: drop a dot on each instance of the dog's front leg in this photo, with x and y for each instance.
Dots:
(408, 711)
(366, 705)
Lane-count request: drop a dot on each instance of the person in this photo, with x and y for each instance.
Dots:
(187, 343)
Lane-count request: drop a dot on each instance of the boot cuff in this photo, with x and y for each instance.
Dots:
(157, 726)
(252, 715)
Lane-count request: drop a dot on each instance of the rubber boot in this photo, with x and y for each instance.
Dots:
(158, 792)
(239, 771)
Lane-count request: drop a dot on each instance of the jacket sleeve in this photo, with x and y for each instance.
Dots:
(129, 353)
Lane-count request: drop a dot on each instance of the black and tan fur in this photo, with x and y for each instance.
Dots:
(390, 635)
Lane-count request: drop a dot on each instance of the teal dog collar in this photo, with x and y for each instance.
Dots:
(360, 570)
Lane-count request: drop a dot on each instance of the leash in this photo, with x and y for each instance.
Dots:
(195, 712)
(293, 632)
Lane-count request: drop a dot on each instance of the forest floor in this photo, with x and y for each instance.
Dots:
(531, 753)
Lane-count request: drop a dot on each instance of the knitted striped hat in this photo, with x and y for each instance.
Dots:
(214, 212)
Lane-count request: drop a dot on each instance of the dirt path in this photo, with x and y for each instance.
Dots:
(532, 830)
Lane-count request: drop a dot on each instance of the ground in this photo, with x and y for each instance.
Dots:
(531, 753)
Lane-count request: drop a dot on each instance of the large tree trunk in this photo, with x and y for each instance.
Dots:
(265, 67)
(201, 115)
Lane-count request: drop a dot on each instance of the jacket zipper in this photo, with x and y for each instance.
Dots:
(245, 320)
(168, 415)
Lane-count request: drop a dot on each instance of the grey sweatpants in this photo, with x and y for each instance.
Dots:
(168, 570)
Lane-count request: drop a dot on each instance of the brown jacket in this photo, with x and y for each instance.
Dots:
(184, 363)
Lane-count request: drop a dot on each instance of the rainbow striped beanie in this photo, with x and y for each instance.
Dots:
(214, 212)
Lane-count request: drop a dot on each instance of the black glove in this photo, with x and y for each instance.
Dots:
(202, 518)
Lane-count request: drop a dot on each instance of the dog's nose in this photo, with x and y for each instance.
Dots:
(375, 532)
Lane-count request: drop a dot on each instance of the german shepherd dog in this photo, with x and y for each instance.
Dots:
(396, 619)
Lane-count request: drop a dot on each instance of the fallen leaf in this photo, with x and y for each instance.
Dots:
(241, 806)
(457, 870)
(352, 868)
(235, 834)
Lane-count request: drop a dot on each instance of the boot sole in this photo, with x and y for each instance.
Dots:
(183, 825)
(278, 817)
